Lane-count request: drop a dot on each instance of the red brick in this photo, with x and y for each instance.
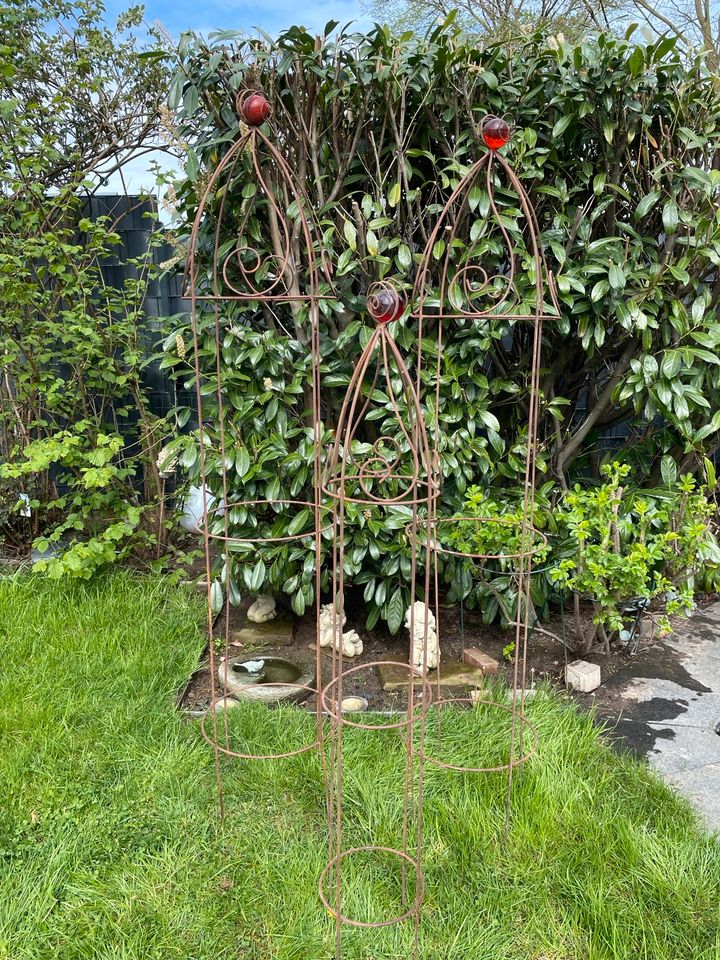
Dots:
(476, 658)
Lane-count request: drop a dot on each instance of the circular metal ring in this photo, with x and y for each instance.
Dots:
(258, 756)
(307, 504)
(503, 521)
(516, 762)
(411, 496)
(419, 888)
(332, 708)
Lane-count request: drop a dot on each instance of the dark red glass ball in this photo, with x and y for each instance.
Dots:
(255, 109)
(496, 132)
(385, 305)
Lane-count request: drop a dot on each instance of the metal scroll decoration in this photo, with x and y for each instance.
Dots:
(400, 471)
(469, 290)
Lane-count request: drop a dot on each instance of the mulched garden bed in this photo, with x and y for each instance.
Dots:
(458, 629)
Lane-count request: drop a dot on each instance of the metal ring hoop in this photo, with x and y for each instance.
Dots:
(258, 756)
(500, 768)
(333, 710)
(334, 487)
(503, 521)
(419, 889)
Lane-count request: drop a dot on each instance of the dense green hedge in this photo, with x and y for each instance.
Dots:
(616, 144)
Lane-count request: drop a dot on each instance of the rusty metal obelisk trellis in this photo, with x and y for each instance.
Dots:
(398, 474)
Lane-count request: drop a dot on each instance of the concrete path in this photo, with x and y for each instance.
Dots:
(665, 706)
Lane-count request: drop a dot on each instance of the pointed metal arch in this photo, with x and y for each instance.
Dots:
(467, 289)
(217, 274)
(241, 272)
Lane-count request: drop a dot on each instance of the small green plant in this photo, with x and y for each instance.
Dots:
(493, 528)
(96, 515)
(630, 546)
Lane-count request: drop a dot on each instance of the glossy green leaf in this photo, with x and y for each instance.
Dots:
(396, 610)
(298, 603)
(670, 217)
(646, 204)
(561, 125)
(216, 597)
(350, 233)
(668, 470)
(242, 461)
(616, 276)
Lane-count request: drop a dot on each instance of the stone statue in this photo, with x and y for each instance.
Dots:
(421, 614)
(352, 645)
(263, 609)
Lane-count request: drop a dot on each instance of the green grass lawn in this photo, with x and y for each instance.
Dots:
(110, 845)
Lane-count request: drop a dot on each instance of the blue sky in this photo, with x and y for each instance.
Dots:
(273, 15)
(204, 17)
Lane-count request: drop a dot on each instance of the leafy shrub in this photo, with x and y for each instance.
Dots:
(95, 500)
(494, 527)
(634, 546)
(74, 364)
(78, 439)
(616, 144)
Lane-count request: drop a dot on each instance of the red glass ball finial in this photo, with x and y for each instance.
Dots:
(495, 132)
(385, 303)
(255, 109)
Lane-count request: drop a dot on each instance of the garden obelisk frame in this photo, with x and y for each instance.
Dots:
(399, 474)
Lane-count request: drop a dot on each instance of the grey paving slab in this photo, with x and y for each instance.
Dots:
(665, 706)
(702, 786)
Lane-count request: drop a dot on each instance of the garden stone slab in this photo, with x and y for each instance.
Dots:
(685, 748)
(474, 657)
(272, 633)
(453, 674)
(702, 786)
(664, 705)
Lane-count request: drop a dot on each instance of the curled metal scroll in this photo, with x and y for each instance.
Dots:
(392, 470)
(246, 271)
(481, 282)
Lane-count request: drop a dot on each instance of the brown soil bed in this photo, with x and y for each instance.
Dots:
(545, 660)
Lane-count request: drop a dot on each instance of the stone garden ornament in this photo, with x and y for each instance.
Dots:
(331, 634)
(263, 609)
(420, 623)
